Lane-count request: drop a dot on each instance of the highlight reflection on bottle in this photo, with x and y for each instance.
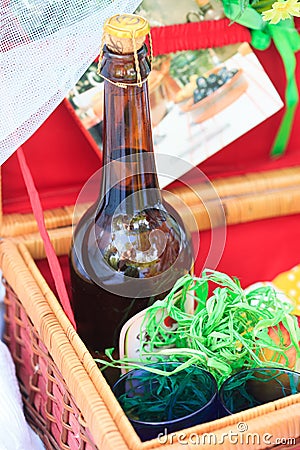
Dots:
(128, 249)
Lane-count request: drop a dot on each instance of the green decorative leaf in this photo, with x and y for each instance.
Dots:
(243, 14)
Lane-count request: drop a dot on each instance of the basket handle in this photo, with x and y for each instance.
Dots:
(52, 258)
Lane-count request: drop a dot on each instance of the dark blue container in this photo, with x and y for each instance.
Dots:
(253, 387)
(167, 403)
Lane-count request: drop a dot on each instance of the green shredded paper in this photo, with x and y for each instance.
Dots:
(228, 330)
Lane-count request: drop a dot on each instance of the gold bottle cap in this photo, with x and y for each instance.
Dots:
(125, 33)
(127, 26)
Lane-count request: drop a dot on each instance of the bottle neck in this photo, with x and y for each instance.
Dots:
(128, 158)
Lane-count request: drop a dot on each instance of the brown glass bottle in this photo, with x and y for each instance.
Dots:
(128, 250)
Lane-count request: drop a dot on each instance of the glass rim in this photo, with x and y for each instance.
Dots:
(278, 369)
(173, 421)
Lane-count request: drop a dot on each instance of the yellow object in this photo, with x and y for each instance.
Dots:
(202, 2)
(282, 10)
(289, 283)
(126, 26)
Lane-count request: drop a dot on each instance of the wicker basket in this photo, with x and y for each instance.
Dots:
(67, 400)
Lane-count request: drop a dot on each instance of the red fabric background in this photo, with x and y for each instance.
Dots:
(62, 156)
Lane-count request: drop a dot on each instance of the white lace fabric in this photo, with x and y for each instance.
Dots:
(45, 47)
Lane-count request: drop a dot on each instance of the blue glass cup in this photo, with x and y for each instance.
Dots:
(157, 405)
(254, 387)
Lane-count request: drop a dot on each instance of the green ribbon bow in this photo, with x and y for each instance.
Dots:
(287, 42)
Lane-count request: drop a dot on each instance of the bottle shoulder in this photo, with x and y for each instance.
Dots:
(76, 267)
(142, 245)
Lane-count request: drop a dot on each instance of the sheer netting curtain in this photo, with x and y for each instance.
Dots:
(45, 47)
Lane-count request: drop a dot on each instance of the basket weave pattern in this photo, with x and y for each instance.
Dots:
(49, 407)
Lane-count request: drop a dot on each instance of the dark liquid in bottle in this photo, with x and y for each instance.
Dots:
(124, 258)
